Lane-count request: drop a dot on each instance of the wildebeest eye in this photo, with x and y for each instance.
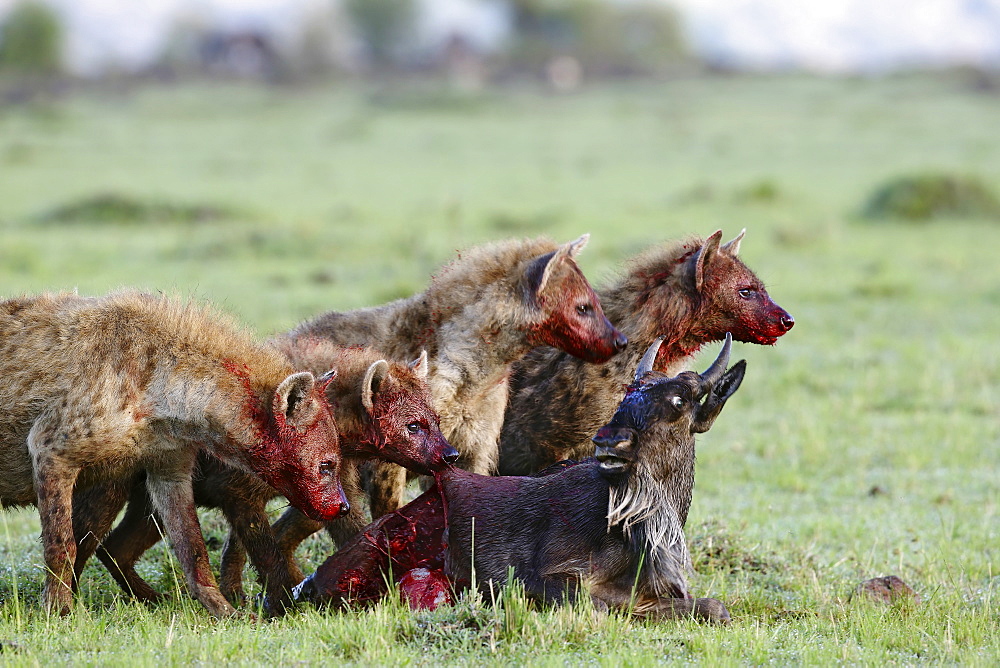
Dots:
(414, 427)
(746, 293)
(677, 401)
(327, 468)
(584, 309)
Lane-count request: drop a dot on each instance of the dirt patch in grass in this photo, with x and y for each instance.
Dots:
(933, 195)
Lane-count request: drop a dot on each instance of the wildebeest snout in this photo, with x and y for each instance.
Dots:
(614, 447)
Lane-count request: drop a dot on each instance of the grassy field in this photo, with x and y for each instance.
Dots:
(866, 443)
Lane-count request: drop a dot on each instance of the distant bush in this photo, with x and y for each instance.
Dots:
(927, 196)
(119, 209)
(31, 40)
(604, 38)
(383, 26)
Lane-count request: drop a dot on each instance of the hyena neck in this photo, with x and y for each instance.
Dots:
(645, 313)
(242, 411)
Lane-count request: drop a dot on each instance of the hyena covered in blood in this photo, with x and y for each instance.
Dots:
(691, 293)
(98, 389)
(481, 313)
(382, 410)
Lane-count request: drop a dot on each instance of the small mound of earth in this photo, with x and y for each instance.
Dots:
(887, 589)
(929, 196)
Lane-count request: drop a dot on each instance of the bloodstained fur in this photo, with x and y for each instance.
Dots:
(557, 402)
(102, 388)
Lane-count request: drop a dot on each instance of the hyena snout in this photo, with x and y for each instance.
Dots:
(786, 320)
(450, 455)
(619, 341)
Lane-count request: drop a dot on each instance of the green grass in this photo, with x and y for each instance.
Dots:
(865, 443)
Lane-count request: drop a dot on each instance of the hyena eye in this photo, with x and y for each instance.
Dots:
(584, 309)
(327, 468)
(414, 427)
(746, 293)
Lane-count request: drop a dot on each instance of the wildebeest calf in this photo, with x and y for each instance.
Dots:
(613, 523)
(99, 389)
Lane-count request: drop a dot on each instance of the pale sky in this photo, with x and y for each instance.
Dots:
(821, 35)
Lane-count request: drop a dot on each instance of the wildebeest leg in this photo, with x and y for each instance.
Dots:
(121, 549)
(704, 609)
(94, 511)
(387, 487)
(250, 529)
(169, 486)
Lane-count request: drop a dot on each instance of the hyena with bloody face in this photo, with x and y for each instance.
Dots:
(481, 313)
(691, 293)
(98, 389)
(382, 410)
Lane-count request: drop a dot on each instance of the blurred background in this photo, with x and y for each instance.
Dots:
(281, 158)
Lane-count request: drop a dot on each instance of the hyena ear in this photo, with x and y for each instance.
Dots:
(544, 266)
(733, 247)
(369, 385)
(704, 257)
(292, 399)
(420, 365)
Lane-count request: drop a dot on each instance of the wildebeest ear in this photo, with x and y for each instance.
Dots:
(293, 401)
(704, 257)
(371, 382)
(420, 365)
(733, 247)
(724, 388)
(544, 266)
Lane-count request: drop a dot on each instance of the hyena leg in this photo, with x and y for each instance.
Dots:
(233, 559)
(137, 531)
(385, 492)
(250, 527)
(170, 491)
(344, 528)
(54, 480)
(290, 530)
(94, 511)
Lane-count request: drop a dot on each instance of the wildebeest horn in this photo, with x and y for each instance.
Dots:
(646, 363)
(714, 372)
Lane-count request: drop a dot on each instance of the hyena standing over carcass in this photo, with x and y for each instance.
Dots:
(96, 390)
(691, 293)
(382, 411)
(480, 314)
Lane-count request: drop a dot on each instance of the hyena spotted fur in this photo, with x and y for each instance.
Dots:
(98, 389)
(480, 314)
(691, 293)
(382, 410)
